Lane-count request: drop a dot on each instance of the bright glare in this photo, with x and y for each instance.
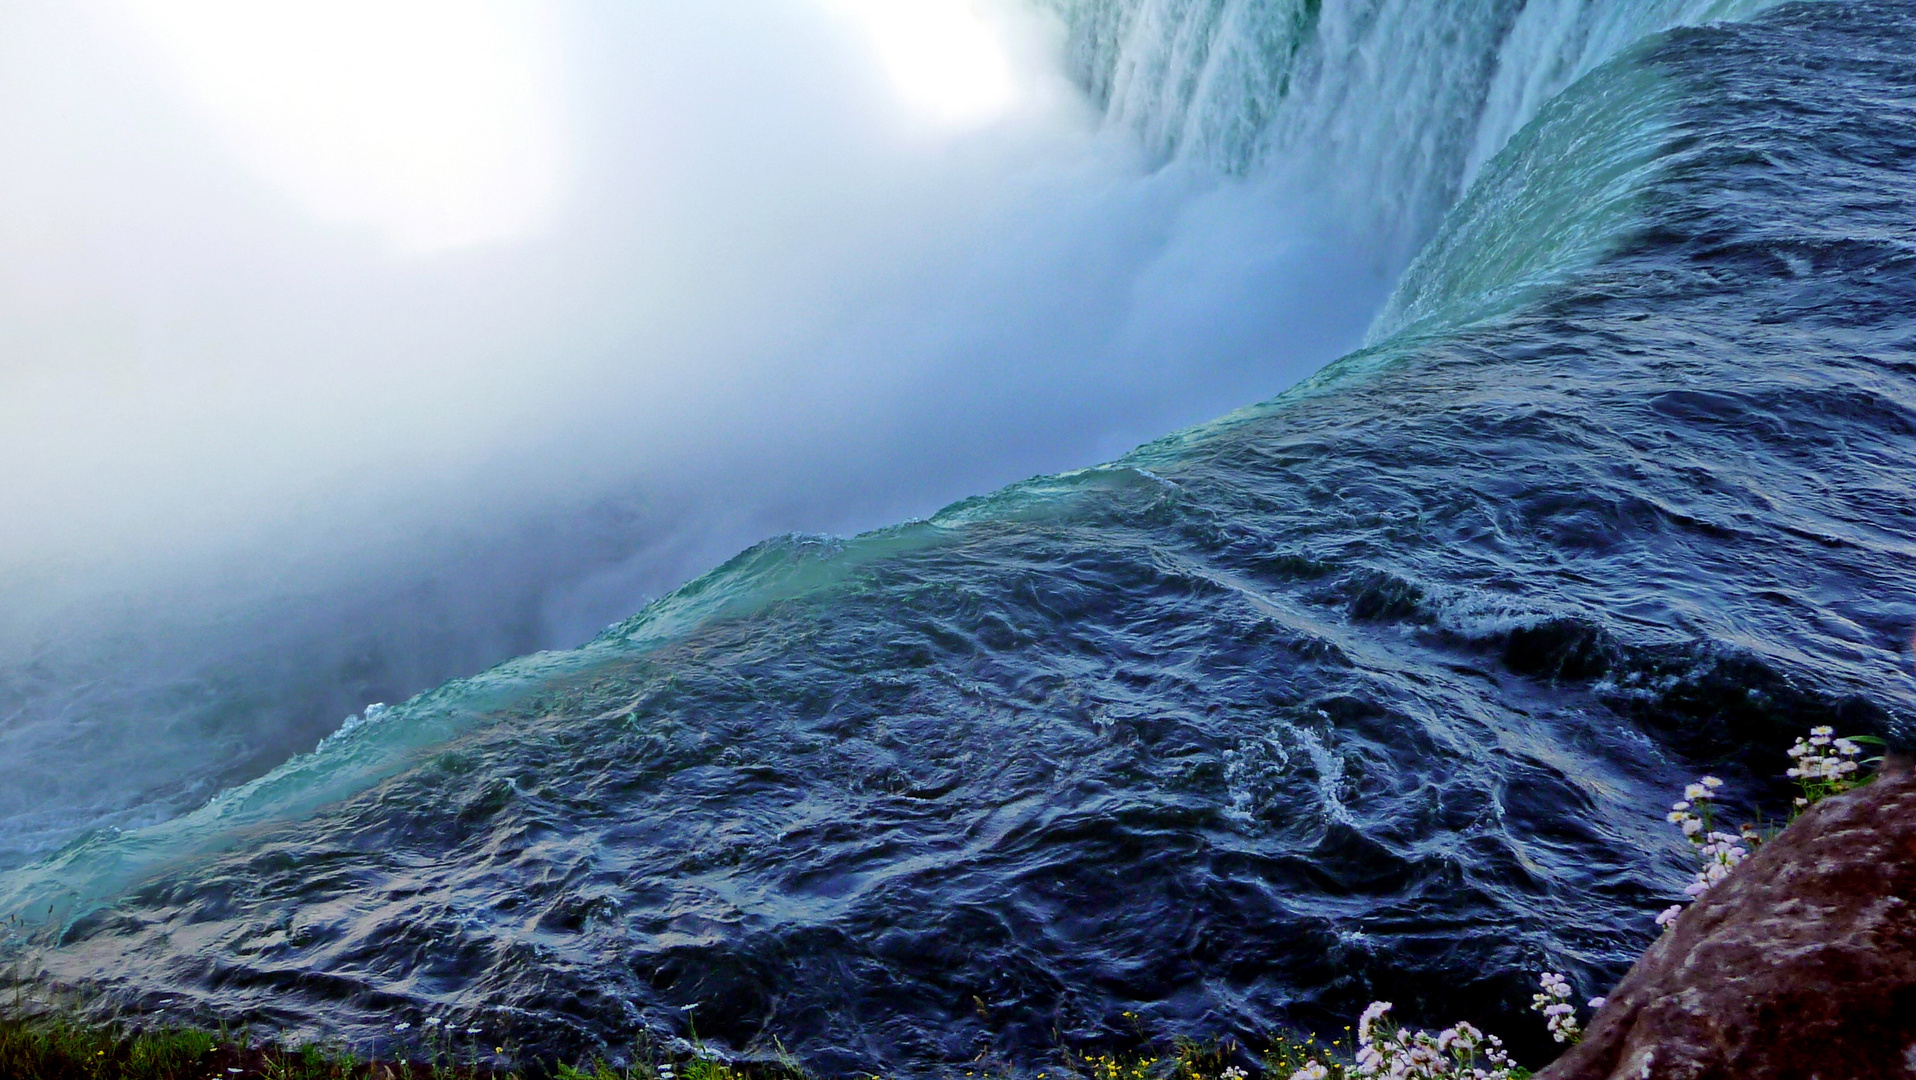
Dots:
(943, 55)
(431, 120)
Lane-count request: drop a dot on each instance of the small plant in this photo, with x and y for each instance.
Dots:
(1720, 852)
(1111, 1067)
(1211, 1060)
(1459, 1052)
(1553, 1001)
(1826, 765)
(1287, 1056)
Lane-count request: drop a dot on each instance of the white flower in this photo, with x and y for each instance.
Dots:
(1372, 1014)
(1692, 826)
(1598, 1003)
(401, 1027)
(1560, 1017)
(1669, 914)
(1311, 1071)
(1696, 792)
(1232, 1072)
(1393, 1053)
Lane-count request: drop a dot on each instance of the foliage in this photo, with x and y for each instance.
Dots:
(63, 1050)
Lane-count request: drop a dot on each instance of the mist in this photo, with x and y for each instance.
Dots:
(360, 349)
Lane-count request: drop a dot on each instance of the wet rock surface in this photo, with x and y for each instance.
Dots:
(1801, 965)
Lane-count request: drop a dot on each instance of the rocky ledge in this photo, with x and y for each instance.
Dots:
(1800, 966)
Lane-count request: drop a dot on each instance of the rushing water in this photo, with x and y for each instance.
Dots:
(1372, 690)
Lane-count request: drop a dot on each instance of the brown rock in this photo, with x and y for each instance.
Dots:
(1801, 964)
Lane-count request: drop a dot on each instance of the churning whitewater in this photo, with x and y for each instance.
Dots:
(1369, 691)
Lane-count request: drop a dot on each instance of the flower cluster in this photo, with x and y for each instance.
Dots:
(1825, 765)
(1719, 851)
(1695, 812)
(1554, 1003)
(1388, 1052)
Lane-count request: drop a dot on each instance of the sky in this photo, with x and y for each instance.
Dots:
(396, 337)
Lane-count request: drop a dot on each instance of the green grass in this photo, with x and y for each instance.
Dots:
(60, 1049)
(43, 1049)
(40, 1049)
